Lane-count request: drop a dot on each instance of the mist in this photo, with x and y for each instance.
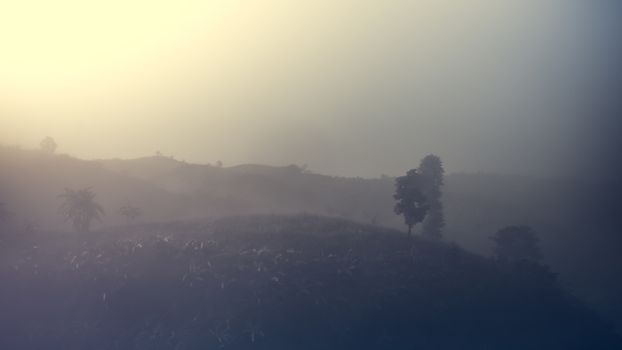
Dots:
(310, 175)
(345, 87)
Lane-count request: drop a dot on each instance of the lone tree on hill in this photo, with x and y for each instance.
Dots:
(48, 145)
(130, 212)
(432, 172)
(80, 208)
(411, 202)
(516, 243)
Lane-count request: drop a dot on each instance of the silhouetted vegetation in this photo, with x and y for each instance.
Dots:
(48, 145)
(432, 172)
(80, 208)
(411, 202)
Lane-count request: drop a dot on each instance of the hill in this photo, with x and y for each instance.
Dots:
(278, 282)
(577, 223)
(579, 236)
(30, 182)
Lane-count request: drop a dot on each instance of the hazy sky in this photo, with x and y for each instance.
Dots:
(350, 87)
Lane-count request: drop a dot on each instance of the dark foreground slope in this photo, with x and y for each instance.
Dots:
(277, 282)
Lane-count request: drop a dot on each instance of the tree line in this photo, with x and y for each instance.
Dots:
(418, 195)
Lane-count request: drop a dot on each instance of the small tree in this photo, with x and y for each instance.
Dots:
(516, 243)
(130, 212)
(411, 203)
(432, 172)
(80, 208)
(48, 145)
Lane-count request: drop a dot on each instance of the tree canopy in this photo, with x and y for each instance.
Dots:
(432, 172)
(411, 202)
(80, 208)
(48, 145)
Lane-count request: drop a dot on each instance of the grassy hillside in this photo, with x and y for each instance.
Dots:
(578, 230)
(575, 225)
(278, 282)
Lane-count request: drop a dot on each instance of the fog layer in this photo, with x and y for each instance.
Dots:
(347, 87)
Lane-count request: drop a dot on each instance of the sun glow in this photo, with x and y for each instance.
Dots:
(57, 45)
(266, 80)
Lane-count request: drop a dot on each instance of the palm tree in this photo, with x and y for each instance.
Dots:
(80, 208)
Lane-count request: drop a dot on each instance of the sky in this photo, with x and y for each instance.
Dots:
(348, 87)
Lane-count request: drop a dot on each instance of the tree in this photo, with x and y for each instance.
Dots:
(411, 202)
(130, 212)
(516, 243)
(80, 208)
(432, 172)
(48, 145)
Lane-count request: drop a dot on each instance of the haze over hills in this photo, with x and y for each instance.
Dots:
(476, 205)
(429, 175)
(198, 190)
